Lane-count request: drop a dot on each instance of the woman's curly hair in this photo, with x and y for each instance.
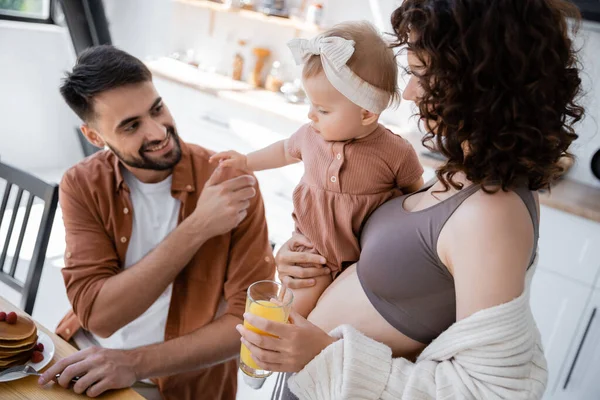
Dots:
(500, 86)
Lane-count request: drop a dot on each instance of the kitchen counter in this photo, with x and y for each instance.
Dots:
(567, 195)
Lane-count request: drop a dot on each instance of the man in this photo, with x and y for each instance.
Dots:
(156, 238)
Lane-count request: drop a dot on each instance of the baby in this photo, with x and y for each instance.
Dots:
(352, 163)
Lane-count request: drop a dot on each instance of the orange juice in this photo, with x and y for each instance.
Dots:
(267, 310)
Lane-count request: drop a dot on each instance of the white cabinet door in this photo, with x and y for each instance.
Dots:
(580, 378)
(557, 304)
(569, 245)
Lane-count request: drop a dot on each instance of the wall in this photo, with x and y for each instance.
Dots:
(37, 127)
(141, 27)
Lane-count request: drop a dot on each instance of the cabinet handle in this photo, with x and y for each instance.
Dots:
(587, 330)
(214, 121)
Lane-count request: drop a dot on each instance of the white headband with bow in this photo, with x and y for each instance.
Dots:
(335, 53)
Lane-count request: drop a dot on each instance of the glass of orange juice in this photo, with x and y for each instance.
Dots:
(270, 300)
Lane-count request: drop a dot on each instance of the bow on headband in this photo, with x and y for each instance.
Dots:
(335, 53)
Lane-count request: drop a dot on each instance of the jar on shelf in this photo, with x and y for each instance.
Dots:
(260, 54)
(237, 69)
(276, 77)
(314, 14)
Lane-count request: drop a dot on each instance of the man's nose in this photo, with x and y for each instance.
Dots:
(156, 132)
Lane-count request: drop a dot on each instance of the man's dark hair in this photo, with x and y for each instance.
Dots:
(97, 70)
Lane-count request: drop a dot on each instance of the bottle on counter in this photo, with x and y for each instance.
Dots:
(275, 78)
(237, 70)
(233, 4)
(314, 14)
(261, 55)
(274, 7)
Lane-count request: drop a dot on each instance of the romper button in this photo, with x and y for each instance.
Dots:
(339, 156)
(123, 239)
(126, 210)
(68, 331)
(333, 179)
(69, 254)
(188, 188)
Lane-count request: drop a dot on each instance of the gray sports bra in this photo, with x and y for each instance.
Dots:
(399, 268)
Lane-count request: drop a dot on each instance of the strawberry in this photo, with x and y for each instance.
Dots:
(11, 318)
(40, 347)
(2, 316)
(36, 357)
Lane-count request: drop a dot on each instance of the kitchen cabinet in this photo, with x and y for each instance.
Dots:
(580, 377)
(562, 298)
(569, 245)
(557, 305)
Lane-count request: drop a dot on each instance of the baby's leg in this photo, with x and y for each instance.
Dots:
(306, 299)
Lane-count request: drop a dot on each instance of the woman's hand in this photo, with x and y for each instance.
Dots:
(297, 269)
(290, 347)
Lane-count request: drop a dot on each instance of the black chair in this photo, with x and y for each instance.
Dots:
(48, 193)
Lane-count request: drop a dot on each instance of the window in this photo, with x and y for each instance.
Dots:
(26, 10)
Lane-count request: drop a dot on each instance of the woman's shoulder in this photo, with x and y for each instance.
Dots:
(499, 212)
(490, 236)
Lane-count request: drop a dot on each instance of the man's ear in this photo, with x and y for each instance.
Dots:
(92, 136)
(368, 117)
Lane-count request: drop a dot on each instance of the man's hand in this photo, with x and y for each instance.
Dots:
(231, 159)
(223, 205)
(99, 370)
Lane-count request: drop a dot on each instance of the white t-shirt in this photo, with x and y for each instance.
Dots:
(155, 214)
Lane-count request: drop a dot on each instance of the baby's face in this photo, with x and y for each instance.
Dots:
(333, 116)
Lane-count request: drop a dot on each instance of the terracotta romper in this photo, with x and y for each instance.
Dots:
(343, 183)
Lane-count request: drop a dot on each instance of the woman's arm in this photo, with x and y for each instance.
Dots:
(273, 156)
(299, 270)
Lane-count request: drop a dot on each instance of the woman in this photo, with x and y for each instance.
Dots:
(443, 273)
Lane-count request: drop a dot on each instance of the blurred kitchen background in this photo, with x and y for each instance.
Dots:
(225, 72)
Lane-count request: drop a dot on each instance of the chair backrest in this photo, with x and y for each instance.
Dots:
(23, 182)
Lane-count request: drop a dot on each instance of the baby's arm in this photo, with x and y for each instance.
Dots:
(409, 171)
(273, 156)
(305, 299)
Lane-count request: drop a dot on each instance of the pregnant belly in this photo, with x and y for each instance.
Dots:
(345, 302)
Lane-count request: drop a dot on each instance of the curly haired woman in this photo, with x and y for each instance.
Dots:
(438, 304)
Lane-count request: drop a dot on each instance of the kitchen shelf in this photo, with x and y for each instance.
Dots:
(214, 7)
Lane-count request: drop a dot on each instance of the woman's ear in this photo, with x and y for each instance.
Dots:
(92, 136)
(368, 117)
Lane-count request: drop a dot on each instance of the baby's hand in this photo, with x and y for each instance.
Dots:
(230, 159)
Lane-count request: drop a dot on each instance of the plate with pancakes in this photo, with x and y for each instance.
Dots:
(22, 344)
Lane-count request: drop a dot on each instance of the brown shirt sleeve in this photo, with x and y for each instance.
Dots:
(250, 257)
(90, 256)
(409, 168)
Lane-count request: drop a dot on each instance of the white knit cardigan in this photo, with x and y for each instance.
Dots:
(495, 353)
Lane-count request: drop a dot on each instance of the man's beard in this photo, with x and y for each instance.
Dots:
(168, 161)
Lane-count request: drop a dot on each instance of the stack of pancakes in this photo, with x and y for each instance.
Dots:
(17, 342)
